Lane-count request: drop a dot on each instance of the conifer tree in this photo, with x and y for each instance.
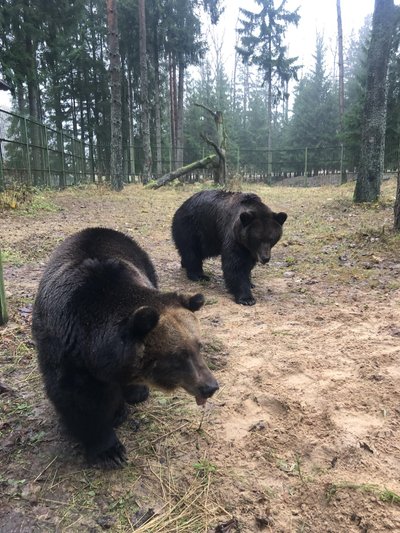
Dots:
(262, 44)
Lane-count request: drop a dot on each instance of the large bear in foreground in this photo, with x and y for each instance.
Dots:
(104, 333)
(237, 226)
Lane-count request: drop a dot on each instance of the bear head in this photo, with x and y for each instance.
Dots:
(171, 355)
(258, 229)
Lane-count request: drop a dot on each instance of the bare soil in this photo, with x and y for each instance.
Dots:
(303, 435)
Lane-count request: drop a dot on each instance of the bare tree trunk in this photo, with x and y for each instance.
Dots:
(397, 205)
(341, 64)
(269, 126)
(157, 102)
(179, 116)
(343, 177)
(202, 163)
(131, 135)
(144, 93)
(373, 124)
(115, 74)
(3, 305)
(246, 93)
(173, 110)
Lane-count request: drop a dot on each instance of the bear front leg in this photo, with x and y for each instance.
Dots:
(193, 264)
(237, 265)
(90, 410)
(135, 393)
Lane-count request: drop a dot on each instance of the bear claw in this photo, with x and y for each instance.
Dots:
(113, 457)
(246, 301)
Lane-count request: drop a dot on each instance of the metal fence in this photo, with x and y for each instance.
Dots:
(34, 154)
(37, 155)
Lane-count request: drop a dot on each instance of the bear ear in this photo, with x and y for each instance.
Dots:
(247, 217)
(142, 321)
(193, 303)
(280, 217)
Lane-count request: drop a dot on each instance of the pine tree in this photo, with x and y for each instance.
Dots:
(262, 44)
(315, 119)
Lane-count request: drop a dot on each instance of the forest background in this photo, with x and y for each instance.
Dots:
(55, 56)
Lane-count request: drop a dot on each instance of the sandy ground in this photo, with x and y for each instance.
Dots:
(304, 432)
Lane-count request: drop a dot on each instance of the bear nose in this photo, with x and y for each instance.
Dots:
(208, 390)
(265, 260)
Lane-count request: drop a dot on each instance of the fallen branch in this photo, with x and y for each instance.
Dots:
(170, 176)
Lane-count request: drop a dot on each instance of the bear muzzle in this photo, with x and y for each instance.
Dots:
(206, 391)
(264, 259)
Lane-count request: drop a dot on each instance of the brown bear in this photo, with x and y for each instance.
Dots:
(237, 226)
(104, 333)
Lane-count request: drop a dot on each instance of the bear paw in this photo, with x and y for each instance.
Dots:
(112, 457)
(198, 277)
(136, 393)
(247, 300)
(120, 416)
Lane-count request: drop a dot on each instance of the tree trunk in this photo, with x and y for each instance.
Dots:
(115, 75)
(397, 205)
(219, 147)
(373, 124)
(144, 93)
(173, 109)
(343, 176)
(3, 305)
(202, 163)
(179, 116)
(157, 102)
(269, 126)
(341, 64)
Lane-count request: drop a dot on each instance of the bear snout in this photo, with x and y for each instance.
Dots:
(207, 390)
(264, 260)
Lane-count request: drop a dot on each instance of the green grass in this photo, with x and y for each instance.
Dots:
(383, 494)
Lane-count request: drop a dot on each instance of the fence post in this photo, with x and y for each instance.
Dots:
(305, 166)
(3, 305)
(62, 184)
(28, 159)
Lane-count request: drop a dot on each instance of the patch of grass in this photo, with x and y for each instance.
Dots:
(204, 468)
(12, 257)
(41, 202)
(15, 197)
(383, 494)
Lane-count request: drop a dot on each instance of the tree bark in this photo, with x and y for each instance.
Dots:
(343, 176)
(115, 74)
(173, 110)
(397, 205)
(179, 116)
(157, 101)
(3, 306)
(374, 112)
(220, 146)
(144, 93)
(341, 64)
(202, 163)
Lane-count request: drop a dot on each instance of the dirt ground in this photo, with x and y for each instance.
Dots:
(303, 435)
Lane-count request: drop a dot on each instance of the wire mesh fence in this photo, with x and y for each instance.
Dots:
(35, 154)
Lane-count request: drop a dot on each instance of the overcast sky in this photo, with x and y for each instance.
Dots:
(317, 16)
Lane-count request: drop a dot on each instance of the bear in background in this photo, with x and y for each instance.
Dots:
(104, 333)
(237, 226)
